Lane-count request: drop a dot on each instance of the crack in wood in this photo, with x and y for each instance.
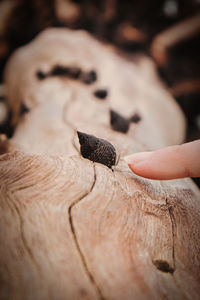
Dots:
(171, 215)
(161, 264)
(172, 218)
(89, 274)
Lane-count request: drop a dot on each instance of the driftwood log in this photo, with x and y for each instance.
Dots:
(74, 229)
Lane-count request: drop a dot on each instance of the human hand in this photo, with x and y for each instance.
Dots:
(167, 163)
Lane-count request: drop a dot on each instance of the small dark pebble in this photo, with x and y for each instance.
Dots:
(24, 109)
(135, 118)
(119, 123)
(40, 75)
(97, 150)
(59, 71)
(101, 94)
(74, 72)
(89, 77)
(163, 266)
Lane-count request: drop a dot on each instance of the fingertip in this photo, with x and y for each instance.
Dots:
(137, 157)
(141, 164)
(164, 164)
(144, 170)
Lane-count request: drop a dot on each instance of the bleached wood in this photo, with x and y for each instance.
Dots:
(73, 229)
(129, 86)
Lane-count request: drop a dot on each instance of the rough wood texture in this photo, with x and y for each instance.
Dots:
(74, 229)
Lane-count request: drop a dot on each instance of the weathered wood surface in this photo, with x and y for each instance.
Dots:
(73, 229)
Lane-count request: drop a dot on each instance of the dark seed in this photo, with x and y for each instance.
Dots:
(89, 77)
(40, 75)
(163, 266)
(102, 94)
(97, 150)
(135, 118)
(24, 109)
(119, 123)
(59, 71)
(74, 72)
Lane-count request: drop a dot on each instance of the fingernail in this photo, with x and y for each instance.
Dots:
(137, 157)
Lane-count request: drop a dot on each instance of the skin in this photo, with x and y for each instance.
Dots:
(167, 163)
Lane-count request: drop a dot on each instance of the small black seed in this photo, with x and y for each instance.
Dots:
(59, 71)
(163, 266)
(119, 123)
(40, 75)
(74, 72)
(24, 109)
(97, 150)
(89, 77)
(102, 94)
(135, 118)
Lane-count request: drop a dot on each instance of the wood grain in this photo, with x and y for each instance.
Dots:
(36, 258)
(74, 229)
